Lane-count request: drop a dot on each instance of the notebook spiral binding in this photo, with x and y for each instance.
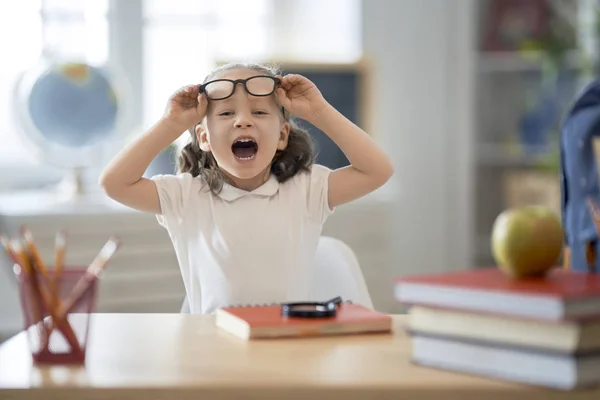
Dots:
(270, 304)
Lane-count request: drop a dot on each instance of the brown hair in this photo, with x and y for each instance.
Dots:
(298, 156)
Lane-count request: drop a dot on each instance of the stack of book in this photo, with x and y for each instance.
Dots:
(539, 331)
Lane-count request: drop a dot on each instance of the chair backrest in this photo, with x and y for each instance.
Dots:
(336, 273)
(185, 306)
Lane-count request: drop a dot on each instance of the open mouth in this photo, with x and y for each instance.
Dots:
(244, 149)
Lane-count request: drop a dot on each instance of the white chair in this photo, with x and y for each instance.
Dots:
(337, 273)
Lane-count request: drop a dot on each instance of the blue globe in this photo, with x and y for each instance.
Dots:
(73, 105)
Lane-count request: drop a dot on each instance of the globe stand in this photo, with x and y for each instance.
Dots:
(73, 193)
(72, 185)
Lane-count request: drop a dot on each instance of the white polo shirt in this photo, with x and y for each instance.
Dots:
(240, 247)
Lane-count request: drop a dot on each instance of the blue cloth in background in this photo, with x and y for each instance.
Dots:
(579, 175)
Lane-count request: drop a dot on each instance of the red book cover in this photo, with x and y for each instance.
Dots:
(558, 283)
(560, 294)
(267, 321)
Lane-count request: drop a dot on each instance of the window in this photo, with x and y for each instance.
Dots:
(182, 40)
(185, 39)
(49, 28)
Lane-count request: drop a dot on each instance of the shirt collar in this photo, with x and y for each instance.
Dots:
(231, 193)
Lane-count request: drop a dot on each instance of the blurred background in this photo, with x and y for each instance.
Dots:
(465, 95)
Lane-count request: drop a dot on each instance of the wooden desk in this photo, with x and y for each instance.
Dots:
(174, 356)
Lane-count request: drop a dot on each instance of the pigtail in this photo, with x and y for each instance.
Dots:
(200, 163)
(298, 156)
(189, 160)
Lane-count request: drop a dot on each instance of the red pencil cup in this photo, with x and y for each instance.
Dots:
(60, 338)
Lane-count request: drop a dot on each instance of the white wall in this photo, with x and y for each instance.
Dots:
(422, 53)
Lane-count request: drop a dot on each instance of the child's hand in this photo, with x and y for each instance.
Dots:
(300, 96)
(186, 107)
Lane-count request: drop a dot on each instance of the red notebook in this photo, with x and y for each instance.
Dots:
(558, 296)
(253, 322)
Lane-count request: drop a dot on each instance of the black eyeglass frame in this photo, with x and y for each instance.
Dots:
(277, 83)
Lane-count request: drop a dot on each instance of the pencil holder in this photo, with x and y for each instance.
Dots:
(56, 314)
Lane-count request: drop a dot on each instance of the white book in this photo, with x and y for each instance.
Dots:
(510, 364)
(560, 336)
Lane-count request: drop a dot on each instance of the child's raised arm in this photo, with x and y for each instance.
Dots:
(122, 178)
(370, 166)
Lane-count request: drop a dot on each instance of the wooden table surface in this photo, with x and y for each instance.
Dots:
(176, 356)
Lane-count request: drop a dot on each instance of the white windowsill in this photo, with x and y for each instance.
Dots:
(25, 177)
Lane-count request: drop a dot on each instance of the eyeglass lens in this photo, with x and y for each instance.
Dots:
(256, 86)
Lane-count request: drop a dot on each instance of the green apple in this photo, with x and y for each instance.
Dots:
(527, 241)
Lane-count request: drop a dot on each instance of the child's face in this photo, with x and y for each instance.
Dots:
(243, 132)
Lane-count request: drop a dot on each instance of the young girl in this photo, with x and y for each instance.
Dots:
(246, 209)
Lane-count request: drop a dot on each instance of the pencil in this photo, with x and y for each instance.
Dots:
(85, 282)
(91, 274)
(45, 300)
(31, 290)
(50, 299)
(35, 254)
(59, 256)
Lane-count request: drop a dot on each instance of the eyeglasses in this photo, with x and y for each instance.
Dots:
(312, 309)
(221, 89)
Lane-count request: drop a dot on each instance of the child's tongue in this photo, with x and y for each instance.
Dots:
(244, 149)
